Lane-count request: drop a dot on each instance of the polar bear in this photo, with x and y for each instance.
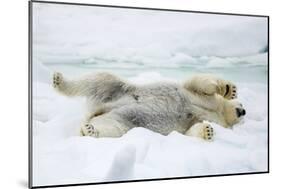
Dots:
(115, 106)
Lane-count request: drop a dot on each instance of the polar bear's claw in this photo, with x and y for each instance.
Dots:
(233, 91)
(208, 133)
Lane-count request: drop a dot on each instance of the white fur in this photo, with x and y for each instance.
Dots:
(116, 106)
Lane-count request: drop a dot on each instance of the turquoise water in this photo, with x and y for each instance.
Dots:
(238, 73)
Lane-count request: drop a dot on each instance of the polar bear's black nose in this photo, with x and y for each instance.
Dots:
(240, 112)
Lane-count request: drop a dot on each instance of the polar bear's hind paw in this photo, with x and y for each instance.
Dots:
(57, 79)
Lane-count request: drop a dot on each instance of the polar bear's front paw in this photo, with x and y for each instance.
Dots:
(230, 91)
(227, 89)
(201, 130)
(88, 130)
(57, 79)
(208, 132)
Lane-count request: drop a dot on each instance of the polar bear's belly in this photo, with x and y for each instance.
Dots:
(162, 114)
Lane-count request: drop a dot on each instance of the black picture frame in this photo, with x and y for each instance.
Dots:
(30, 92)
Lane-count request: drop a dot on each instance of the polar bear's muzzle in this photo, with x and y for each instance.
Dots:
(240, 112)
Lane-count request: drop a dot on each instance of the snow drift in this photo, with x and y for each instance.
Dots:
(62, 157)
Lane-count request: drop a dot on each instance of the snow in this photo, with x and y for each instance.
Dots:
(62, 157)
(144, 47)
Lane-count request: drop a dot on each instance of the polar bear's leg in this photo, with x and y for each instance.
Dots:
(101, 86)
(201, 130)
(103, 126)
(70, 87)
(204, 84)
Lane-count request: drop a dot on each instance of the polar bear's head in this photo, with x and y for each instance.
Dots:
(233, 112)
